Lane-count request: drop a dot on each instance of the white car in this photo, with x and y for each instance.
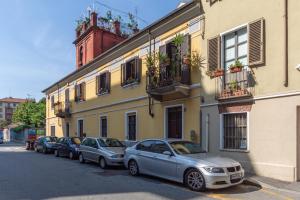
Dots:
(182, 161)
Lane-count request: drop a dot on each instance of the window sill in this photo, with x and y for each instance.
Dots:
(136, 83)
(103, 94)
(235, 150)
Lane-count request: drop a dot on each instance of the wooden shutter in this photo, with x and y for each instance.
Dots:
(83, 85)
(213, 53)
(67, 95)
(186, 51)
(186, 46)
(97, 84)
(108, 74)
(123, 74)
(162, 70)
(256, 38)
(76, 93)
(138, 69)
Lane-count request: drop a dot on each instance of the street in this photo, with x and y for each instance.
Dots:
(30, 175)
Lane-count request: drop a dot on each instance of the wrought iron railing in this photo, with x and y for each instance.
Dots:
(168, 76)
(233, 85)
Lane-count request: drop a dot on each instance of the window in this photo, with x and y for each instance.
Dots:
(52, 102)
(52, 131)
(131, 126)
(80, 128)
(235, 47)
(103, 126)
(67, 129)
(103, 83)
(80, 61)
(93, 143)
(174, 121)
(67, 96)
(160, 147)
(235, 131)
(131, 71)
(80, 92)
(145, 146)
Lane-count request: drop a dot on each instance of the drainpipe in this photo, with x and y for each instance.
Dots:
(286, 44)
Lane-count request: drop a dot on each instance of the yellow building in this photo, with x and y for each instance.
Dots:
(231, 83)
(114, 96)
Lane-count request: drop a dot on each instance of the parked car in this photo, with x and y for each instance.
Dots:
(45, 144)
(182, 161)
(105, 151)
(67, 146)
(1, 140)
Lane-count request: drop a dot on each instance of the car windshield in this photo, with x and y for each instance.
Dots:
(76, 140)
(186, 147)
(50, 139)
(109, 142)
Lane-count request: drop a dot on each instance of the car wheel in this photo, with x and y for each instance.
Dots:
(56, 153)
(133, 168)
(71, 155)
(81, 159)
(44, 150)
(195, 180)
(102, 163)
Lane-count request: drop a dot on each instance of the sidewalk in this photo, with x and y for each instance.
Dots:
(269, 183)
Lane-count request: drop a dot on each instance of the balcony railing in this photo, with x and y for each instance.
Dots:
(169, 83)
(235, 85)
(62, 110)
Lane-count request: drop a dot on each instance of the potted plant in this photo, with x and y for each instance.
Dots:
(218, 72)
(233, 85)
(237, 66)
(150, 63)
(164, 60)
(186, 59)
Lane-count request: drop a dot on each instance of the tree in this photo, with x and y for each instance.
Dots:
(31, 113)
(3, 124)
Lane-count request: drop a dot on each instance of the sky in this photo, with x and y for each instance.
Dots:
(36, 38)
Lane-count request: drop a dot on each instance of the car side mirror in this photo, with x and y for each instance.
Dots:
(167, 153)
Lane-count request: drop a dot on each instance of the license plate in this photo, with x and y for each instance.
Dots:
(235, 176)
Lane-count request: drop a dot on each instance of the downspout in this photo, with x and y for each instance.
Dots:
(286, 44)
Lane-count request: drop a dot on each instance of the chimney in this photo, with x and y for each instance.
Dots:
(117, 27)
(94, 17)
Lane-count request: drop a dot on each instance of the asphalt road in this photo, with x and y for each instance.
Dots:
(30, 175)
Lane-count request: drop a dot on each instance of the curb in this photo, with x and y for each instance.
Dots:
(259, 184)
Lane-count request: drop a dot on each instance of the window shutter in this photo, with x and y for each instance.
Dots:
(83, 85)
(162, 70)
(123, 74)
(256, 42)
(138, 66)
(108, 74)
(97, 84)
(76, 93)
(213, 53)
(186, 46)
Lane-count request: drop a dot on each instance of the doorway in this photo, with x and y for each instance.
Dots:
(80, 128)
(174, 122)
(67, 129)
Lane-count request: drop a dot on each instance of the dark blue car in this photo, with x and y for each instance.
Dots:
(67, 146)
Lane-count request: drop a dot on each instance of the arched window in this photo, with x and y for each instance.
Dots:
(80, 56)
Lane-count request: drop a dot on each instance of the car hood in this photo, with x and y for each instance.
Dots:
(115, 150)
(213, 161)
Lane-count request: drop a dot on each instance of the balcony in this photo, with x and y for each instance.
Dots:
(62, 110)
(169, 84)
(235, 85)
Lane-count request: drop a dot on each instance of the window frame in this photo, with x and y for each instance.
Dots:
(98, 82)
(82, 96)
(221, 147)
(100, 125)
(77, 127)
(52, 102)
(127, 114)
(166, 120)
(137, 79)
(222, 38)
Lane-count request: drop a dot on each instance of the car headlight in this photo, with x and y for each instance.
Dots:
(117, 156)
(214, 169)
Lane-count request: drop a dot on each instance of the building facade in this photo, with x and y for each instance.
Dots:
(8, 106)
(224, 77)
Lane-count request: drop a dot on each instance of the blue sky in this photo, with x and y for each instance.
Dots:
(36, 39)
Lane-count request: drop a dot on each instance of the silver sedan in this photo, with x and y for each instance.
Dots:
(105, 151)
(182, 161)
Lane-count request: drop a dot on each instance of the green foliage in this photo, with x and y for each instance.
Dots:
(237, 64)
(20, 128)
(31, 113)
(4, 124)
(178, 40)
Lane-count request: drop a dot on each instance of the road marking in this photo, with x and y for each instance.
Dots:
(220, 197)
(276, 194)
